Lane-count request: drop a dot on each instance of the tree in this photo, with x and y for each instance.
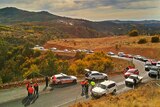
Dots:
(133, 33)
(142, 41)
(155, 39)
(32, 71)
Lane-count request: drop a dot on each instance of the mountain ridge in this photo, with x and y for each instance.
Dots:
(12, 15)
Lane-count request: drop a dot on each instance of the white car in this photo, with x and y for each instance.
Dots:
(133, 80)
(63, 79)
(105, 87)
(95, 75)
(158, 64)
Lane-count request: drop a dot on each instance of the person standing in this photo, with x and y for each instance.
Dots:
(86, 88)
(46, 79)
(27, 86)
(36, 89)
(92, 83)
(30, 91)
(83, 87)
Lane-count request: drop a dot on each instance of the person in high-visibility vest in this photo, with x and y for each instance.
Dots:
(36, 88)
(92, 83)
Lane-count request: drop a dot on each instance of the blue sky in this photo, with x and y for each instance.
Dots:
(92, 9)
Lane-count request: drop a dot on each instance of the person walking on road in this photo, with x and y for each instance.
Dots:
(46, 79)
(36, 89)
(83, 87)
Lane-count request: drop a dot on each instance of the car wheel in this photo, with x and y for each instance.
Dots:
(114, 91)
(105, 78)
(59, 83)
(74, 81)
(93, 79)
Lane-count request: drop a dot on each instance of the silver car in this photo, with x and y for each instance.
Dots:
(95, 75)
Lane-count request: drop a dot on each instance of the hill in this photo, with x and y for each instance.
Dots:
(73, 27)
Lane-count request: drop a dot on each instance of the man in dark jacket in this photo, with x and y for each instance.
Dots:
(46, 79)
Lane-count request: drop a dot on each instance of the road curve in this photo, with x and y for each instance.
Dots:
(63, 97)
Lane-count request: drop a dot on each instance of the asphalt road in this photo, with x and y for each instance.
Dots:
(67, 95)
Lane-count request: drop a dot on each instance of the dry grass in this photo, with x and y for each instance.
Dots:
(119, 66)
(124, 43)
(146, 95)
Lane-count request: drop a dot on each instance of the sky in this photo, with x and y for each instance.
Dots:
(95, 10)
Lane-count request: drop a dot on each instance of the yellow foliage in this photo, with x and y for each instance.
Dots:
(31, 70)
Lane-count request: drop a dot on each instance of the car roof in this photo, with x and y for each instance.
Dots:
(108, 82)
(131, 69)
(94, 72)
(60, 75)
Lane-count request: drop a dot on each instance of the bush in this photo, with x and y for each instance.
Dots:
(155, 39)
(142, 41)
(133, 33)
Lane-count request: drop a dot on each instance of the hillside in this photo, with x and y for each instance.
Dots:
(77, 27)
(147, 95)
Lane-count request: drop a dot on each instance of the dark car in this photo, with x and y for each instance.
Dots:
(148, 66)
(153, 72)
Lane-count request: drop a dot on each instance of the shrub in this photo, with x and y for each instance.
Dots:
(142, 41)
(155, 39)
(133, 33)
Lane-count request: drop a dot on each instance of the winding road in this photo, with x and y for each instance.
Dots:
(63, 97)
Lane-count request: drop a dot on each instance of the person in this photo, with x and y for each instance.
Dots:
(27, 86)
(46, 79)
(86, 88)
(36, 88)
(83, 87)
(30, 91)
(92, 83)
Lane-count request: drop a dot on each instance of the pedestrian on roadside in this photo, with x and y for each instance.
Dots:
(83, 87)
(92, 83)
(36, 89)
(46, 79)
(86, 88)
(27, 86)
(30, 91)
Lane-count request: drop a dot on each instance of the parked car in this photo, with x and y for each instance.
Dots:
(127, 68)
(105, 87)
(95, 75)
(129, 56)
(110, 53)
(148, 66)
(63, 79)
(137, 57)
(121, 54)
(158, 64)
(133, 80)
(144, 59)
(53, 49)
(153, 61)
(131, 71)
(153, 72)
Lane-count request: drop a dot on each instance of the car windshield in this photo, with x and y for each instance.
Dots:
(132, 77)
(154, 68)
(101, 86)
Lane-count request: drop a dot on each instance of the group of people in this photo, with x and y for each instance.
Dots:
(32, 89)
(85, 87)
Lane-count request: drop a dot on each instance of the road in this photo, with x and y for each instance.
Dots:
(63, 97)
